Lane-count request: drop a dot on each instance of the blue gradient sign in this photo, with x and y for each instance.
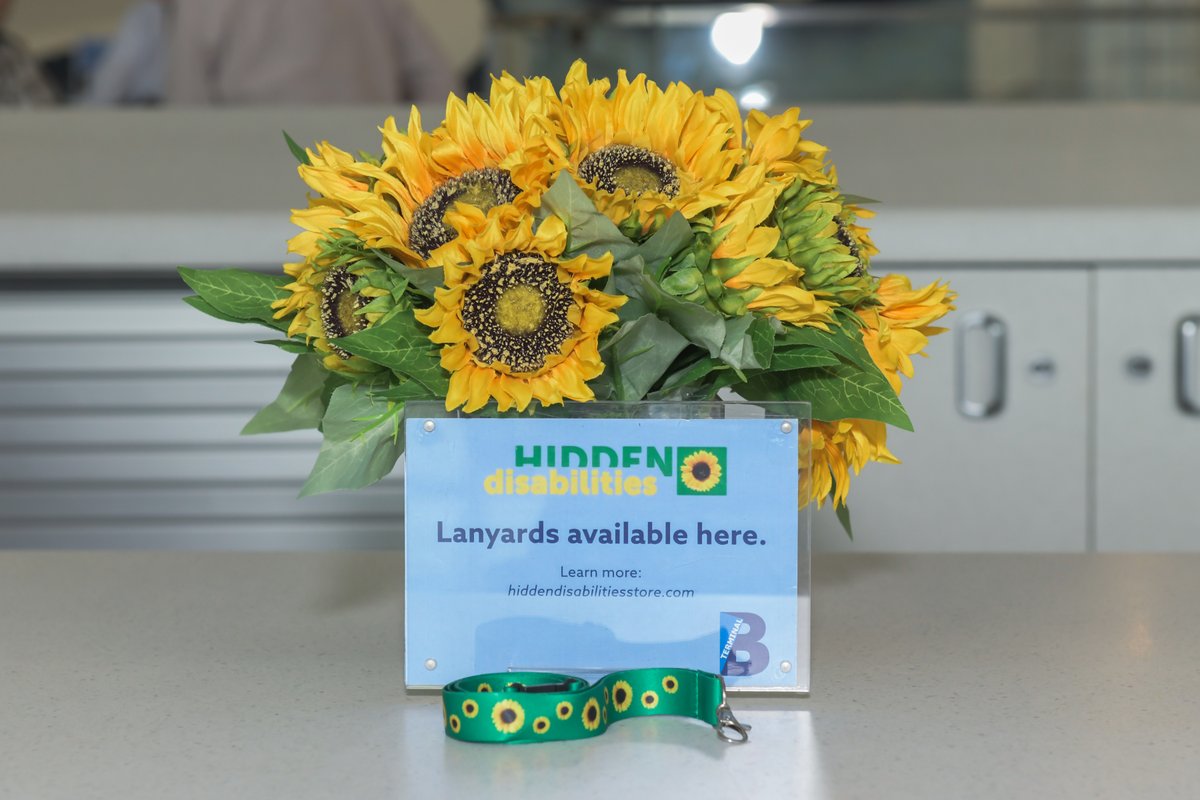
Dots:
(590, 545)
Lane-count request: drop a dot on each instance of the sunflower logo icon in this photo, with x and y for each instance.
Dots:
(701, 471)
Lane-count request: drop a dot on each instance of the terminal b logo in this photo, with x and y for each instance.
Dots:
(742, 649)
(701, 471)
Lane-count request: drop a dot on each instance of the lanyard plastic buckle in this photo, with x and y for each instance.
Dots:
(543, 688)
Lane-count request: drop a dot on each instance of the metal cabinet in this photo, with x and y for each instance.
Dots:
(999, 459)
(1147, 433)
(119, 419)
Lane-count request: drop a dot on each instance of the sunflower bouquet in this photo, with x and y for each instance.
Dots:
(591, 242)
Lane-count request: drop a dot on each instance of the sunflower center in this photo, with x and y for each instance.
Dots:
(701, 471)
(633, 169)
(507, 716)
(339, 302)
(846, 237)
(482, 188)
(636, 179)
(520, 310)
(517, 312)
(481, 195)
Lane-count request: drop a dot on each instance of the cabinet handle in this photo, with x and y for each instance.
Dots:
(1186, 367)
(982, 356)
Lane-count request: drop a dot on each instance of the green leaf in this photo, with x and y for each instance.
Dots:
(243, 295)
(626, 279)
(749, 342)
(589, 231)
(843, 391)
(602, 385)
(666, 243)
(639, 355)
(423, 281)
(287, 345)
(299, 405)
(687, 282)
(363, 439)
(803, 358)
(402, 345)
(297, 151)
(691, 374)
(843, 516)
(842, 341)
(859, 200)
(200, 304)
(404, 391)
(701, 326)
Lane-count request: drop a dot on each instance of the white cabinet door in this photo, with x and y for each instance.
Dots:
(1015, 480)
(1147, 435)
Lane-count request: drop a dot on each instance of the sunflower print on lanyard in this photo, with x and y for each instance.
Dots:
(535, 706)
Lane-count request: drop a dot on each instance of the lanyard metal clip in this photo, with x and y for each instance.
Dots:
(726, 721)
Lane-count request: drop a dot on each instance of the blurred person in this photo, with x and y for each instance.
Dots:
(303, 51)
(133, 69)
(21, 79)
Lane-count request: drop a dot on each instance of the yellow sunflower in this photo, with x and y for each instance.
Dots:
(649, 699)
(900, 326)
(483, 687)
(591, 714)
(701, 471)
(322, 302)
(488, 155)
(564, 710)
(455, 723)
(517, 321)
(777, 143)
(358, 191)
(622, 695)
(541, 725)
(836, 448)
(648, 151)
(470, 708)
(508, 716)
(670, 684)
(819, 233)
(744, 259)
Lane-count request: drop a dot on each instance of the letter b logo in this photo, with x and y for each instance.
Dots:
(742, 650)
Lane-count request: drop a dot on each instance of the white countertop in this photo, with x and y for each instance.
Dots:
(140, 190)
(202, 675)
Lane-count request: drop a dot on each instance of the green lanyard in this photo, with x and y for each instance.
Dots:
(545, 707)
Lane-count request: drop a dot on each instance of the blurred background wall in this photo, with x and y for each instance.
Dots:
(885, 50)
(1039, 155)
